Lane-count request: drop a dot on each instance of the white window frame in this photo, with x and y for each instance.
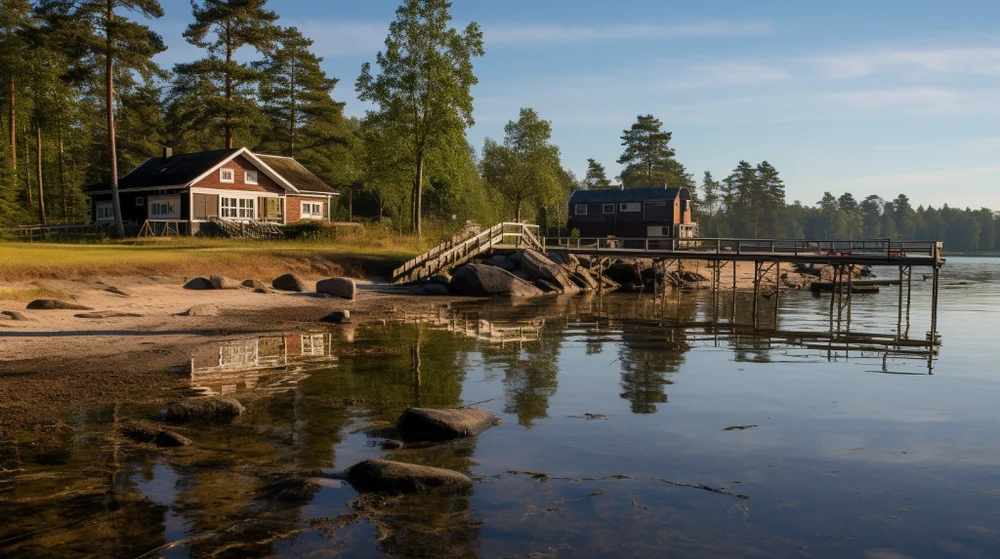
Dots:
(580, 209)
(223, 173)
(109, 213)
(606, 207)
(156, 201)
(630, 207)
(238, 208)
(310, 214)
(250, 177)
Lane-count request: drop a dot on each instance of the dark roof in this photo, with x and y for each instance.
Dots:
(175, 171)
(615, 196)
(295, 173)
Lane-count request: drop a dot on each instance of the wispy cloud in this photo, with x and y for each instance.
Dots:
(948, 60)
(894, 148)
(897, 97)
(533, 33)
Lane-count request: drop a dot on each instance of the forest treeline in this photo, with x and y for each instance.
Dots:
(84, 100)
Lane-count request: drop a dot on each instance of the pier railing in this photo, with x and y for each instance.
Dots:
(879, 249)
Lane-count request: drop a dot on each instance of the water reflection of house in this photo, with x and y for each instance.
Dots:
(241, 364)
(470, 326)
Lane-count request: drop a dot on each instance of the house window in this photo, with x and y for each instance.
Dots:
(312, 210)
(609, 208)
(237, 208)
(165, 208)
(140, 201)
(227, 176)
(104, 211)
(632, 207)
(250, 177)
(581, 209)
(313, 344)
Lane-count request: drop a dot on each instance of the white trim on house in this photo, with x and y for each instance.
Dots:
(223, 172)
(247, 177)
(230, 192)
(315, 210)
(109, 211)
(238, 208)
(253, 159)
(157, 203)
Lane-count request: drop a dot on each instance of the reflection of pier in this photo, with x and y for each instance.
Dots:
(272, 362)
(491, 331)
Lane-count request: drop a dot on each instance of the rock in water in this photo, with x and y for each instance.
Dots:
(257, 286)
(398, 477)
(337, 317)
(199, 284)
(202, 310)
(289, 282)
(344, 288)
(583, 279)
(542, 268)
(425, 424)
(55, 304)
(390, 444)
(212, 408)
(144, 432)
(480, 280)
(434, 289)
(222, 282)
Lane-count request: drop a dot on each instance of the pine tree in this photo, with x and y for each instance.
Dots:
(296, 92)
(711, 192)
(15, 20)
(596, 176)
(648, 158)
(423, 90)
(225, 86)
(769, 194)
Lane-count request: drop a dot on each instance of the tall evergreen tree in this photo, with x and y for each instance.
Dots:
(711, 198)
(769, 194)
(15, 20)
(228, 87)
(124, 46)
(648, 158)
(423, 89)
(596, 176)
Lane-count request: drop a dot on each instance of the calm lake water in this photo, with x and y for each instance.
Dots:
(615, 443)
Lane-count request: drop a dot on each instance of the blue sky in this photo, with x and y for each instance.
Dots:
(876, 97)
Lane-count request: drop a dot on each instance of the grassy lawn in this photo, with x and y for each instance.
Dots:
(358, 256)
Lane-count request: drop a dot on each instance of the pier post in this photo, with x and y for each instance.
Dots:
(833, 297)
(733, 319)
(756, 289)
(899, 319)
(909, 297)
(934, 302)
(777, 291)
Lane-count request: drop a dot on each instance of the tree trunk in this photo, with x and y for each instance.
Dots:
(13, 129)
(419, 193)
(292, 119)
(517, 211)
(27, 168)
(109, 67)
(229, 90)
(62, 176)
(350, 205)
(41, 187)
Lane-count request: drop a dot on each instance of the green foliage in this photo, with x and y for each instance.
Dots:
(526, 166)
(596, 176)
(648, 158)
(423, 88)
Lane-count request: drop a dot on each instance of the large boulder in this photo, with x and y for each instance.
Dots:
(434, 289)
(480, 280)
(56, 304)
(145, 432)
(289, 282)
(425, 424)
(199, 284)
(501, 261)
(222, 282)
(398, 477)
(582, 278)
(540, 267)
(344, 288)
(207, 409)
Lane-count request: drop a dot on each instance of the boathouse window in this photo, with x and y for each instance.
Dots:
(312, 210)
(139, 201)
(581, 209)
(104, 211)
(609, 208)
(630, 207)
(164, 208)
(250, 177)
(227, 176)
(237, 208)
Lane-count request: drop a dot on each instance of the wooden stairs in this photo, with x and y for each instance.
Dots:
(462, 248)
(258, 230)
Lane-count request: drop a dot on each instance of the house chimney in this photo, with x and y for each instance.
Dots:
(168, 152)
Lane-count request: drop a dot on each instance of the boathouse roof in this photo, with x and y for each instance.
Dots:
(614, 196)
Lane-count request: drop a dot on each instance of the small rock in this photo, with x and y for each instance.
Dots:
(337, 317)
(222, 282)
(145, 432)
(107, 314)
(212, 408)
(398, 477)
(344, 288)
(200, 284)
(301, 490)
(55, 304)
(117, 291)
(435, 289)
(390, 444)
(263, 290)
(289, 282)
(14, 315)
(205, 309)
(257, 286)
(425, 424)
(444, 279)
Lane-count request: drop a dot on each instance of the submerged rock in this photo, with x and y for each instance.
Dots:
(145, 432)
(289, 282)
(211, 408)
(480, 280)
(300, 490)
(390, 444)
(398, 477)
(337, 317)
(108, 314)
(344, 288)
(199, 284)
(425, 424)
(55, 304)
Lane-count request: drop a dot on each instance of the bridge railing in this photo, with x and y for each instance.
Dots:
(876, 249)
